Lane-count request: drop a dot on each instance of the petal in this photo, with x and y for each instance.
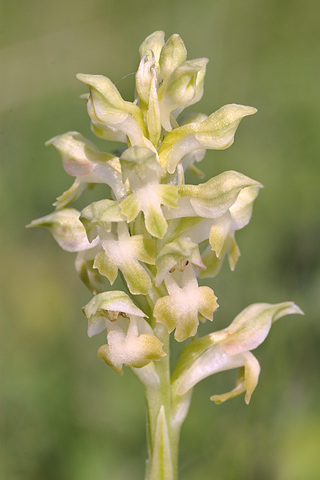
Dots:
(166, 312)
(153, 42)
(115, 301)
(179, 91)
(173, 54)
(250, 328)
(153, 114)
(144, 77)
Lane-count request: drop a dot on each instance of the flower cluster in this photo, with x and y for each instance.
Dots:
(158, 232)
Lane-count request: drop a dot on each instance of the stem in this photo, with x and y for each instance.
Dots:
(165, 414)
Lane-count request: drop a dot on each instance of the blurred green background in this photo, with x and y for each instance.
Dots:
(65, 415)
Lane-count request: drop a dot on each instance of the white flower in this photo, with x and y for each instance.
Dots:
(181, 308)
(230, 348)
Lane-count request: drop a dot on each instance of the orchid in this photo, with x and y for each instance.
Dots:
(160, 235)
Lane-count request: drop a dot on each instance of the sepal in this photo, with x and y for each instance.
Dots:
(173, 54)
(213, 198)
(106, 107)
(87, 274)
(153, 43)
(79, 155)
(182, 89)
(230, 348)
(108, 306)
(83, 160)
(139, 160)
(66, 229)
(100, 214)
(216, 132)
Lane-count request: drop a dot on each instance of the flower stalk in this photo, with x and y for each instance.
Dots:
(160, 235)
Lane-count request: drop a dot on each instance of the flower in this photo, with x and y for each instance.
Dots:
(230, 348)
(181, 308)
(66, 229)
(83, 160)
(125, 252)
(130, 338)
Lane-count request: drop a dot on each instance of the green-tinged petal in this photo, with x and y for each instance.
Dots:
(107, 106)
(250, 328)
(212, 264)
(153, 113)
(155, 221)
(70, 195)
(213, 198)
(139, 160)
(219, 234)
(212, 360)
(187, 326)
(169, 195)
(78, 153)
(241, 210)
(88, 275)
(165, 311)
(247, 380)
(173, 54)
(179, 92)
(179, 228)
(154, 43)
(233, 252)
(66, 229)
(216, 132)
(144, 249)
(106, 266)
(138, 280)
(130, 207)
(100, 214)
(207, 302)
(108, 132)
(144, 77)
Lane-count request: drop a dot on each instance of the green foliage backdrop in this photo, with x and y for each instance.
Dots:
(65, 416)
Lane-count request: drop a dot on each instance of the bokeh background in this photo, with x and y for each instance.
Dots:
(65, 415)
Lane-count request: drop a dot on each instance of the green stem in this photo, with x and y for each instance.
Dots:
(165, 414)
